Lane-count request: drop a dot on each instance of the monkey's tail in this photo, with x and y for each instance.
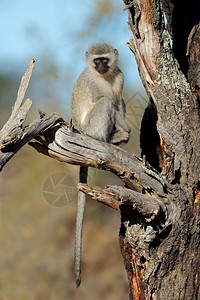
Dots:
(79, 226)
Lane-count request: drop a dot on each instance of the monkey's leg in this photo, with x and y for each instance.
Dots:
(120, 123)
(122, 130)
(100, 120)
(79, 226)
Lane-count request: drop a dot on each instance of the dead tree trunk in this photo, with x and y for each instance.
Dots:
(159, 205)
(163, 261)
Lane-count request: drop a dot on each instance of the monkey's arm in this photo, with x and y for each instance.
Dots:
(79, 226)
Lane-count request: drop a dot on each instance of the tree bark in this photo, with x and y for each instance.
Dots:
(167, 266)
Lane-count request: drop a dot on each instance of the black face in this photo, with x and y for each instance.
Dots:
(101, 64)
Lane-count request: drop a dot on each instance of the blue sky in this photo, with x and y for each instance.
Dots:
(57, 34)
(29, 26)
(17, 16)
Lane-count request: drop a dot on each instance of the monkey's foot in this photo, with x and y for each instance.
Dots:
(120, 137)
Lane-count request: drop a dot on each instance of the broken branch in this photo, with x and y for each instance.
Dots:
(127, 201)
(78, 149)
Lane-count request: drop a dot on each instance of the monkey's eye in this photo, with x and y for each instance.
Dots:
(105, 60)
(100, 60)
(96, 60)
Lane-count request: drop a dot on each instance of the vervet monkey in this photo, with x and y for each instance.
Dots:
(98, 111)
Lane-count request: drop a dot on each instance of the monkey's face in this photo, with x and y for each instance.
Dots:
(101, 64)
(102, 58)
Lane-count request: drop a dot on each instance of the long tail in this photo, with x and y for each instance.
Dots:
(79, 227)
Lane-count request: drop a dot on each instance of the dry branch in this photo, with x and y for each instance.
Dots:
(78, 149)
(149, 194)
(13, 135)
(127, 201)
(20, 109)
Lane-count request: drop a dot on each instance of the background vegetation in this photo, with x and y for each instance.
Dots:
(37, 236)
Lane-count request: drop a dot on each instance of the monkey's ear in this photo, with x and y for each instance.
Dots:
(116, 52)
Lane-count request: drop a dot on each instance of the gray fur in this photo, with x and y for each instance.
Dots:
(98, 110)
